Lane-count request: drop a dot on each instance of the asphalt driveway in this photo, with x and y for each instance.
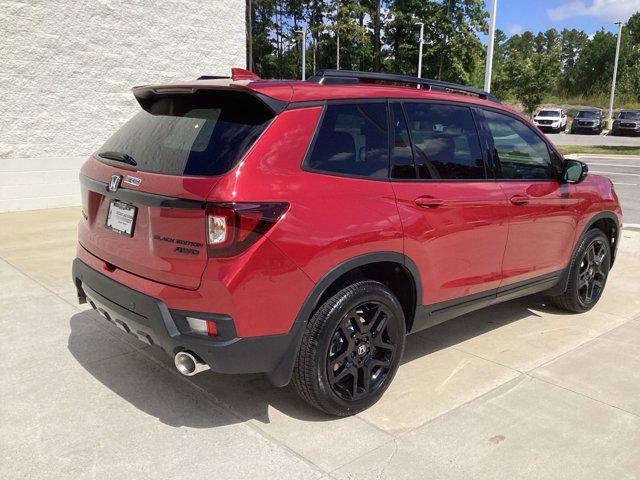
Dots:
(520, 390)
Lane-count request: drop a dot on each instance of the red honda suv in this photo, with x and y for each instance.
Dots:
(303, 229)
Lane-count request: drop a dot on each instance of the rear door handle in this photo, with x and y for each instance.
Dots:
(520, 200)
(429, 202)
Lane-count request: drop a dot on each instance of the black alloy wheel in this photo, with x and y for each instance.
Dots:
(592, 275)
(361, 351)
(587, 273)
(351, 349)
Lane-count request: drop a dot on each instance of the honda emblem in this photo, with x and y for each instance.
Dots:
(114, 184)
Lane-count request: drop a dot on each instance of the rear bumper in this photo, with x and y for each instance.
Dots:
(150, 320)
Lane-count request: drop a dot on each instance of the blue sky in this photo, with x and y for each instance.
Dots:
(517, 16)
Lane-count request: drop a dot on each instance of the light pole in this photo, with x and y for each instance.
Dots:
(304, 47)
(314, 42)
(615, 75)
(492, 38)
(420, 49)
(337, 48)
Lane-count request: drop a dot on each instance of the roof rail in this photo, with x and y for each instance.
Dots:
(350, 77)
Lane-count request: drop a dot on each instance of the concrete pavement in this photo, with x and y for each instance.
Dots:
(520, 390)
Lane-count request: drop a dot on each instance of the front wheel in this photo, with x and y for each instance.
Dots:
(588, 274)
(351, 349)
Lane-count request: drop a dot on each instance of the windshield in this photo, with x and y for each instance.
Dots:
(201, 134)
(548, 113)
(629, 116)
(587, 114)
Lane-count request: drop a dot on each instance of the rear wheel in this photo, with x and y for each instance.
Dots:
(351, 349)
(588, 273)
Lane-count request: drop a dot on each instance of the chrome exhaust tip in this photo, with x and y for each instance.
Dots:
(189, 364)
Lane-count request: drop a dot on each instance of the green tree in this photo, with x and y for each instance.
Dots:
(572, 41)
(594, 66)
(459, 54)
(401, 34)
(530, 78)
(629, 83)
(382, 35)
(500, 83)
(263, 51)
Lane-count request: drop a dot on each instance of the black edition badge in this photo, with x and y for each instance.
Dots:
(178, 241)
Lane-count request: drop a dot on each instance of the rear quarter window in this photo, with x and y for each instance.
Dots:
(201, 134)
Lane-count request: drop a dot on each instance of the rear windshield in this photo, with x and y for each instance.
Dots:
(201, 134)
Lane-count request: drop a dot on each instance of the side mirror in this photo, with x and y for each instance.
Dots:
(574, 171)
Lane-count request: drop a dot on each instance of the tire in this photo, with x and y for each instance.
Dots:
(588, 272)
(354, 340)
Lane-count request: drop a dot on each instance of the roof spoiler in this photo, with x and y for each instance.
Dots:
(148, 95)
(350, 77)
(237, 74)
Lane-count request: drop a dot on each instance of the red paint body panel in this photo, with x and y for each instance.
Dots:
(142, 254)
(459, 245)
(541, 233)
(318, 231)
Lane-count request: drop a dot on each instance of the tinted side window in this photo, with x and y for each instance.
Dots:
(445, 141)
(352, 140)
(521, 153)
(401, 152)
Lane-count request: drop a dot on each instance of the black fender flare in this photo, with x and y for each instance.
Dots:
(564, 279)
(281, 376)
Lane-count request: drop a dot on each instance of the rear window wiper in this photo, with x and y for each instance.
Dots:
(118, 157)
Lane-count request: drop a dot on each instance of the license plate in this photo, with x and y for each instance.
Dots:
(121, 218)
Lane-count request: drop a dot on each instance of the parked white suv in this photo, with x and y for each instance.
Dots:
(551, 119)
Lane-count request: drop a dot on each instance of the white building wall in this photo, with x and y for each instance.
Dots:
(67, 68)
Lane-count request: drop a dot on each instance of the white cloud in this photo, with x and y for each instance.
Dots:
(606, 10)
(514, 29)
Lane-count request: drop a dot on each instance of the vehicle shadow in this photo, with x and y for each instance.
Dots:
(146, 378)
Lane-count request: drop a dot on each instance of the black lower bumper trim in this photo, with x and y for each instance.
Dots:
(152, 322)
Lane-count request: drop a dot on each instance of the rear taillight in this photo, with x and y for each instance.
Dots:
(234, 227)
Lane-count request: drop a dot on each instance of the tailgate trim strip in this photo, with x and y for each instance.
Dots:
(140, 198)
